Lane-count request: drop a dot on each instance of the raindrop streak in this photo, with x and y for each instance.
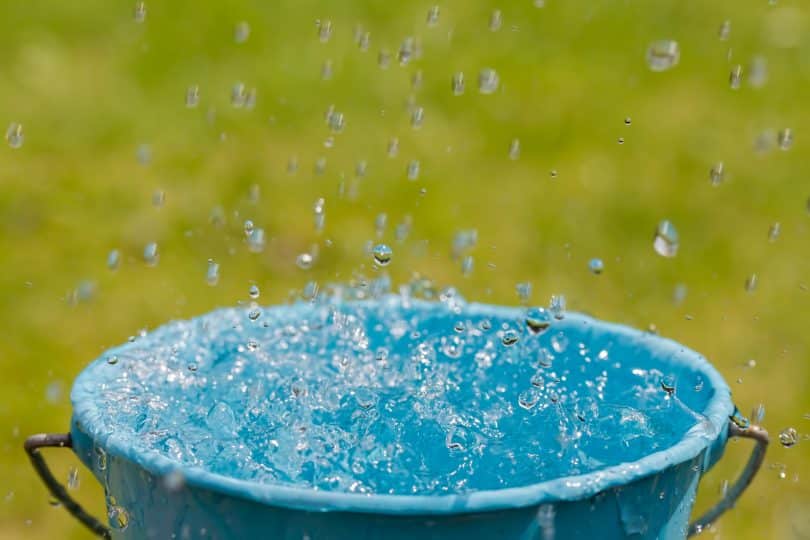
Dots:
(735, 78)
(514, 149)
(467, 265)
(773, 231)
(457, 83)
(73, 479)
(557, 306)
(788, 437)
(150, 254)
(192, 96)
(324, 30)
(596, 266)
(114, 259)
(725, 31)
(212, 274)
(663, 55)
(495, 20)
(241, 32)
(666, 241)
(14, 135)
(488, 81)
(140, 12)
(238, 95)
(417, 117)
(785, 139)
(413, 169)
(382, 254)
(717, 174)
(751, 283)
(433, 16)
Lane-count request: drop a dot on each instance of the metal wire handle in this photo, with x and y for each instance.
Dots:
(760, 436)
(60, 440)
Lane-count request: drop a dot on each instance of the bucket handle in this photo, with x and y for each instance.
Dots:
(760, 437)
(60, 440)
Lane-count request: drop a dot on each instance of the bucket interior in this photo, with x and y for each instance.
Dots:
(399, 397)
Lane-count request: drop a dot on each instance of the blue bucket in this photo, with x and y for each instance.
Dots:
(646, 498)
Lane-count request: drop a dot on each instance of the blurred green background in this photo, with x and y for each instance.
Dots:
(101, 100)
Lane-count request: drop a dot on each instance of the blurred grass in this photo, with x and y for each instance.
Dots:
(90, 85)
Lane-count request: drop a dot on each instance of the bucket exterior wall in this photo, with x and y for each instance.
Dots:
(656, 506)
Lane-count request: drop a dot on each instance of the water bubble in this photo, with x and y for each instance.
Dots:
(751, 283)
(457, 83)
(241, 32)
(467, 264)
(113, 259)
(663, 55)
(417, 117)
(788, 437)
(382, 254)
(668, 384)
(739, 419)
(238, 95)
(73, 479)
(717, 174)
(488, 81)
(304, 261)
(596, 266)
(212, 274)
(557, 306)
(192, 96)
(538, 320)
(393, 147)
(256, 241)
(495, 20)
(528, 398)
(150, 254)
(666, 241)
(514, 149)
(118, 517)
(140, 12)
(413, 169)
(324, 30)
(510, 337)
(725, 30)
(785, 139)
(254, 291)
(735, 78)
(773, 231)
(433, 16)
(14, 135)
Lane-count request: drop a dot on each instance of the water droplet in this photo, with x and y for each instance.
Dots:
(212, 274)
(735, 78)
(336, 122)
(514, 149)
(256, 241)
(304, 261)
(666, 241)
(393, 147)
(553, 173)
(417, 117)
(14, 135)
(538, 320)
(758, 72)
(254, 314)
(433, 16)
(528, 398)
(118, 517)
(717, 174)
(364, 41)
(620, 140)
(457, 83)
(241, 32)
(140, 12)
(73, 479)
(785, 139)
(413, 169)
(495, 20)
(143, 154)
(557, 306)
(758, 414)
(788, 437)
(327, 70)
(510, 337)
(150, 254)
(406, 51)
(384, 59)
(417, 79)
(628, 121)
(254, 292)
(488, 81)
(158, 198)
(467, 264)
(663, 55)
(596, 266)
(382, 254)
(668, 384)
(725, 30)
(524, 291)
(324, 30)
(238, 95)
(192, 96)
(739, 419)
(114, 259)
(112, 359)
(751, 283)
(773, 231)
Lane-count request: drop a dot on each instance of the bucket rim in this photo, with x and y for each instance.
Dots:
(568, 488)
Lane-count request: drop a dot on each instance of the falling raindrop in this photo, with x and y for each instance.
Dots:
(524, 291)
(238, 95)
(495, 20)
(254, 292)
(557, 306)
(114, 259)
(596, 266)
(73, 479)
(773, 231)
(255, 241)
(758, 72)
(241, 32)
(417, 79)
(751, 283)
(758, 414)
(150, 254)
(336, 122)
(788, 437)
(140, 12)
(304, 261)
(417, 117)
(393, 147)
(144, 154)
(327, 69)
(384, 59)
(628, 121)
(14, 135)
(725, 30)
(324, 30)
(457, 83)
(467, 264)
(663, 55)
(212, 274)
(717, 174)
(785, 139)
(158, 198)
(433, 16)
(380, 223)
(735, 78)
(382, 254)
(364, 41)
(488, 81)
(620, 140)
(413, 169)
(406, 51)
(514, 149)
(553, 173)
(666, 241)
(192, 96)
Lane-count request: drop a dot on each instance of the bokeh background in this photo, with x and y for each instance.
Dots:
(113, 158)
